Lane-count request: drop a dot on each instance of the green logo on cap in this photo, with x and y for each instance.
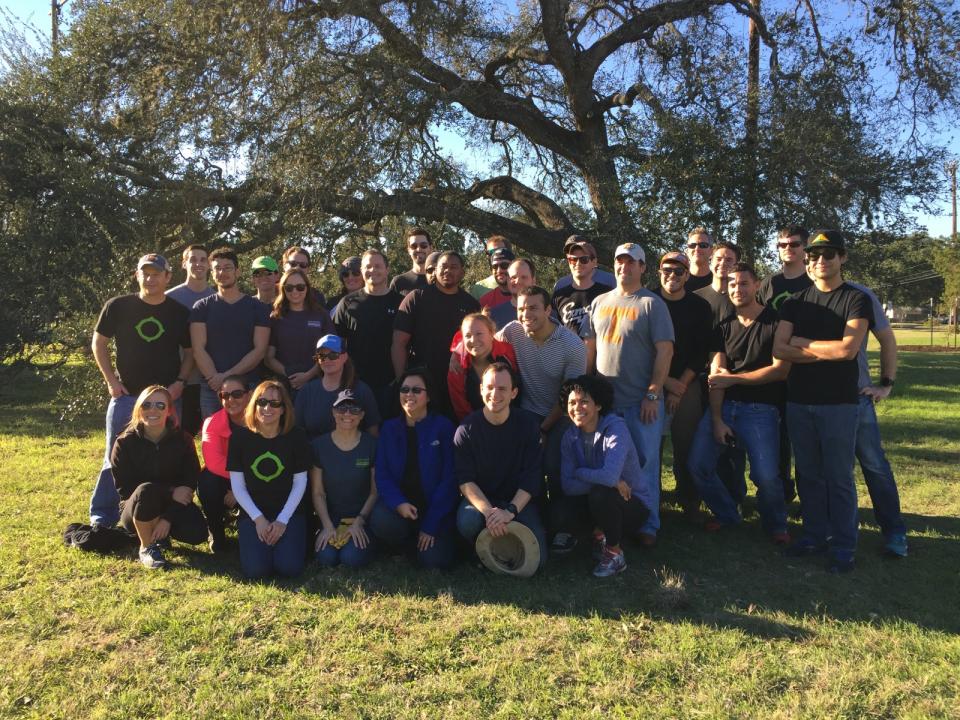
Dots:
(146, 321)
(276, 461)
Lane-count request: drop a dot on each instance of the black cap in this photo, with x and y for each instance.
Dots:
(826, 239)
(346, 397)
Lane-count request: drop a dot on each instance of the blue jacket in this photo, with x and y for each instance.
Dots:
(614, 455)
(435, 455)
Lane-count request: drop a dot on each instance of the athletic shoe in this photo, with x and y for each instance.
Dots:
(599, 546)
(840, 566)
(563, 544)
(780, 538)
(152, 557)
(647, 540)
(804, 548)
(896, 545)
(613, 563)
(165, 544)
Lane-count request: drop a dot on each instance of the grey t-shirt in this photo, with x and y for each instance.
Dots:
(187, 297)
(880, 322)
(346, 474)
(627, 328)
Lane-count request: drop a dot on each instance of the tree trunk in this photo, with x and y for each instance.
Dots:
(749, 241)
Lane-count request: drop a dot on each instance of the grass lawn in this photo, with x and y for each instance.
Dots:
(701, 626)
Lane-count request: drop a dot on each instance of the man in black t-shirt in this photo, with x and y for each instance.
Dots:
(426, 322)
(419, 246)
(691, 316)
(148, 330)
(571, 302)
(699, 250)
(820, 333)
(365, 320)
(746, 389)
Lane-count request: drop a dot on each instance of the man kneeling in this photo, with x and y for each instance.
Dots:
(497, 463)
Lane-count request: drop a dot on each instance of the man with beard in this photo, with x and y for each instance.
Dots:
(419, 246)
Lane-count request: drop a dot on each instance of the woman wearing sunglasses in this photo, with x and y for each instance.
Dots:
(214, 486)
(417, 491)
(155, 469)
(296, 323)
(314, 402)
(474, 347)
(268, 462)
(343, 488)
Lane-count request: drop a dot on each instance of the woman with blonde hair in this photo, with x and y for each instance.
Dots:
(268, 461)
(474, 348)
(155, 469)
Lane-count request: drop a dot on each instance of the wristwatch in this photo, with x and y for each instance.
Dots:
(886, 382)
(512, 509)
(652, 396)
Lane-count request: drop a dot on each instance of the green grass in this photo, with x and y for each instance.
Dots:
(702, 626)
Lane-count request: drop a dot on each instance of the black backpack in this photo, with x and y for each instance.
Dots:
(98, 539)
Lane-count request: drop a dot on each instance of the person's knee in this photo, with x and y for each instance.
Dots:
(328, 557)
(288, 564)
(352, 556)
(470, 521)
(438, 557)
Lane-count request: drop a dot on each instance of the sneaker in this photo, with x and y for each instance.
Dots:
(613, 563)
(780, 538)
(804, 548)
(152, 557)
(599, 547)
(647, 540)
(563, 543)
(840, 565)
(896, 546)
(165, 544)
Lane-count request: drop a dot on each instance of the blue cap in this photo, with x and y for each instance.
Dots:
(333, 343)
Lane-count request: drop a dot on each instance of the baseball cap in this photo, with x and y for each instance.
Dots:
(501, 254)
(572, 240)
(156, 260)
(826, 239)
(675, 257)
(351, 263)
(346, 397)
(265, 262)
(333, 343)
(582, 245)
(631, 249)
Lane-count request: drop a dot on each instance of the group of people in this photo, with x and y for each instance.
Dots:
(417, 416)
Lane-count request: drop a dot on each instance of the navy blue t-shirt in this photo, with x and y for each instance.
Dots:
(230, 327)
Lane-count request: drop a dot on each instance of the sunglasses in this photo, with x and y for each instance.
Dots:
(500, 265)
(263, 273)
(668, 271)
(326, 356)
(419, 246)
(296, 264)
(701, 245)
(349, 410)
(263, 402)
(791, 244)
(579, 259)
(159, 405)
(412, 390)
(299, 287)
(352, 273)
(826, 254)
(235, 394)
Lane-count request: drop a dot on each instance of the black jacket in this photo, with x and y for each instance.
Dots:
(136, 460)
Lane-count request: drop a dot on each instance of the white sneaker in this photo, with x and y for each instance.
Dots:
(152, 557)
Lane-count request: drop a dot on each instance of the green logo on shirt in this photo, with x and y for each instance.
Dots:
(146, 321)
(276, 461)
(779, 299)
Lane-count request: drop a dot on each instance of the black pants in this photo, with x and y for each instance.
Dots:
(151, 500)
(190, 419)
(614, 515)
(211, 490)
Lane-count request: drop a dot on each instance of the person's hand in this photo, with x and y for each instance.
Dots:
(263, 530)
(721, 432)
(175, 389)
(497, 521)
(183, 495)
(229, 500)
(276, 530)
(323, 537)
(215, 381)
(672, 385)
(297, 380)
(161, 530)
(876, 392)
(671, 402)
(624, 490)
(649, 410)
(721, 379)
(358, 534)
(117, 389)
(425, 542)
(407, 511)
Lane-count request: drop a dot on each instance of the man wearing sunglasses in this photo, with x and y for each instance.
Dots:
(699, 249)
(490, 246)
(419, 246)
(570, 303)
(351, 280)
(500, 260)
(148, 330)
(601, 276)
(791, 247)
(821, 330)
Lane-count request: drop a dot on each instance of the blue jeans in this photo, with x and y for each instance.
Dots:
(646, 438)
(824, 446)
(397, 532)
(349, 555)
(286, 558)
(209, 401)
(757, 427)
(877, 473)
(471, 522)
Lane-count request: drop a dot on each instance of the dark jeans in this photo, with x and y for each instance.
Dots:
(190, 419)
(286, 558)
(683, 426)
(349, 555)
(211, 489)
(397, 532)
(615, 516)
(471, 522)
(151, 500)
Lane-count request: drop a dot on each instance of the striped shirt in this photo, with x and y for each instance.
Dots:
(544, 368)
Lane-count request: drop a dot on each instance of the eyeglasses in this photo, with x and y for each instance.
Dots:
(297, 264)
(500, 265)
(235, 394)
(826, 254)
(668, 271)
(263, 402)
(299, 287)
(419, 246)
(579, 259)
(349, 410)
(352, 273)
(701, 245)
(791, 244)
(412, 390)
(327, 356)
(263, 273)
(159, 405)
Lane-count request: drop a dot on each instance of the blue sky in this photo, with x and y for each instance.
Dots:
(37, 13)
